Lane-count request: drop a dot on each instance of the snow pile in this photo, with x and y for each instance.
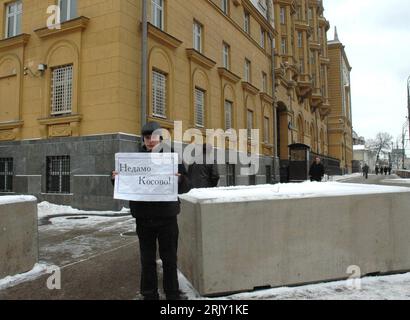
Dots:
(16, 199)
(36, 272)
(345, 177)
(285, 191)
(46, 209)
(395, 287)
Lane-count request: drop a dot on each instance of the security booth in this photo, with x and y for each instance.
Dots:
(299, 155)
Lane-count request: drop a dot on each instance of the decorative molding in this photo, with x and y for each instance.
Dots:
(7, 135)
(17, 41)
(325, 61)
(9, 125)
(250, 88)
(267, 98)
(314, 45)
(60, 120)
(237, 2)
(8, 76)
(228, 75)
(61, 130)
(77, 24)
(163, 37)
(200, 59)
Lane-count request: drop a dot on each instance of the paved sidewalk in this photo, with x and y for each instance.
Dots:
(96, 260)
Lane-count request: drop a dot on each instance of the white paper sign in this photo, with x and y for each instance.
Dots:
(146, 177)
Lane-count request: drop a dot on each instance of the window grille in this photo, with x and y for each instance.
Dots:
(228, 115)
(199, 107)
(6, 174)
(159, 95)
(230, 175)
(58, 174)
(62, 90)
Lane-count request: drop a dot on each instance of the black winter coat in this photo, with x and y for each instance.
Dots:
(151, 211)
(317, 171)
(203, 175)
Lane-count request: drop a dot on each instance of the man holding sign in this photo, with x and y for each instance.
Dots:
(152, 181)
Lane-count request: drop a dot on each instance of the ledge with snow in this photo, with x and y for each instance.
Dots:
(18, 234)
(240, 238)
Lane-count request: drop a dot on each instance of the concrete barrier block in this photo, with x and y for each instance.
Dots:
(18, 235)
(228, 247)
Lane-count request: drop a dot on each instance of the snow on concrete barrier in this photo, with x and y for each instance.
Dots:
(18, 235)
(237, 239)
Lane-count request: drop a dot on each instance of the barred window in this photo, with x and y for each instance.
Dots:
(14, 10)
(266, 129)
(268, 174)
(62, 90)
(199, 107)
(250, 123)
(6, 174)
(230, 175)
(158, 13)
(228, 115)
(159, 94)
(68, 9)
(58, 174)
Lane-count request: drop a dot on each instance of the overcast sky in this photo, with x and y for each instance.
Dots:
(376, 35)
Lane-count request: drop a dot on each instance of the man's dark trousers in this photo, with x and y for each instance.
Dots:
(165, 231)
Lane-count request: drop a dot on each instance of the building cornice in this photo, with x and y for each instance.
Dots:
(250, 88)
(163, 37)
(266, 97)
(60, 120)
(77, 24)
(228, 75)
(17, 41)
(200, 59)
(11, 125)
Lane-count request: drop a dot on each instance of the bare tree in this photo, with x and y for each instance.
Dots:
(381, 144)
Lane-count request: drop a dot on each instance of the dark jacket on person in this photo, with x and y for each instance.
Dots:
(366, 169)
(317, 171)
(150, 211)
(203, 175)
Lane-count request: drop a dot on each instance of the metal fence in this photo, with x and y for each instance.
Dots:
(332, 165)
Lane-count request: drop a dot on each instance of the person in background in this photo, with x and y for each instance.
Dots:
(377, 170)
(366, 171)
(157, 223)
(205, 174)
(317, 170)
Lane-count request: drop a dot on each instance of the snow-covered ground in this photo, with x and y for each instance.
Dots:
(395, 287)
(37, 271)
(46, 209)
(397, 181)
(345, 177)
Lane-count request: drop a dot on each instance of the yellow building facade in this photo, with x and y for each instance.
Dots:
(340, 119)
(70, 95)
